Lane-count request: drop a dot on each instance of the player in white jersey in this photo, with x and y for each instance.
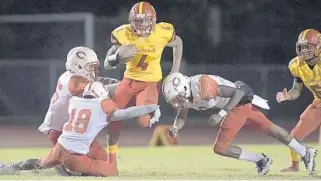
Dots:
(239, 107)
(88, 115)
(81, 67)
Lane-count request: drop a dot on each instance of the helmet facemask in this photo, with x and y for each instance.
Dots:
(142, 24)
(306, 51)
(93, 70)
(180, 101)
(177, 91)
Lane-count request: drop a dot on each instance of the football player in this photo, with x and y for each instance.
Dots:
(140, 45)
(88, 115)
(306, 69)
(82, 67)
(239, 106)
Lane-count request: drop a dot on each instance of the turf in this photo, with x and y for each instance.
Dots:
(179, 162)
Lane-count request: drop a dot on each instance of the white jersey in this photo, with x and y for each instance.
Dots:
(57, 113)
(200, 104)
(87, 119)
(218, 102)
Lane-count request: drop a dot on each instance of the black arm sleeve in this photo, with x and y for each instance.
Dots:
(298, 79)
(235, 95)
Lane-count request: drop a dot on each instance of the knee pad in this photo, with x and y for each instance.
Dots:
(143, 121)
(53, 135)
(220, 148)
(248, 91)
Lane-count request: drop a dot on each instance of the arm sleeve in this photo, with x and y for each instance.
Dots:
(107, 80)
(132, 112)
(298, 79)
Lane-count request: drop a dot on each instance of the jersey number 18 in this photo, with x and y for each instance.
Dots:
(81, 123)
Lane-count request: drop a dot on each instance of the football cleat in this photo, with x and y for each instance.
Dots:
(309, 160)
(264, 165)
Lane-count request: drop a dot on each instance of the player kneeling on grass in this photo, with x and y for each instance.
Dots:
(239, 107)
(88, 116)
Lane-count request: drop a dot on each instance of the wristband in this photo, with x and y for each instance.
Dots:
(222, 113)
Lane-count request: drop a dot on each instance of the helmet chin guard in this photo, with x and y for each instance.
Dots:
(177, 90)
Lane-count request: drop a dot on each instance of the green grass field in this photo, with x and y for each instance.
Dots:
(181, 162)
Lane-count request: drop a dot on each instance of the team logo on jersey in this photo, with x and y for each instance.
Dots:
(166, 28)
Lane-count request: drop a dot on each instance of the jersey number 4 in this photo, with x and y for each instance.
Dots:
(81, 123)
(142, 62)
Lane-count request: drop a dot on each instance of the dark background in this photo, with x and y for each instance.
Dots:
(250, 33)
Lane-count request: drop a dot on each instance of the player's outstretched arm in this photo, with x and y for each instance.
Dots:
(179, 122)
(181, 118)
(134, 111)
(235, 95)
(293, 93)
(177, 45)
(106, 80)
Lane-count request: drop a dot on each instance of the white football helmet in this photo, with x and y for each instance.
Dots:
(83, 61)
(95, 90)
(177, 90)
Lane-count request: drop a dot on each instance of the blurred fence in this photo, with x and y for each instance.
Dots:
(33, 50)
(27, 85)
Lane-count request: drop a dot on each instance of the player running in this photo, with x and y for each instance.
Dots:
(306, 69)
(239, 106)
(88, 115)
(140, 45)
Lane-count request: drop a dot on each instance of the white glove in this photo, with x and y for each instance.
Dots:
(283, 96)
(173, 131)
(125, 52)
(155, 118)
(217, 118)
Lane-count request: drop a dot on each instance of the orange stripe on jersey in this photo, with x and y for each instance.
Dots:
(140, 9)
(207, 87)
(108, 106)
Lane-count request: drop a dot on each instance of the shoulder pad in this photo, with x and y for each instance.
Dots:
(294, 62)
(118, 34)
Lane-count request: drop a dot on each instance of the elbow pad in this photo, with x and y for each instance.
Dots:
(248, 92)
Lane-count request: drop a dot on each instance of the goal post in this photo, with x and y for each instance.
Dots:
(87, 18)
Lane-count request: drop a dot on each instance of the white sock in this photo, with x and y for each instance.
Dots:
(297, 147)
(252, 157)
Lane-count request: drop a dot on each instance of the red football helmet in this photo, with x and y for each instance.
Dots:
(308, 44)
(142, 18)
